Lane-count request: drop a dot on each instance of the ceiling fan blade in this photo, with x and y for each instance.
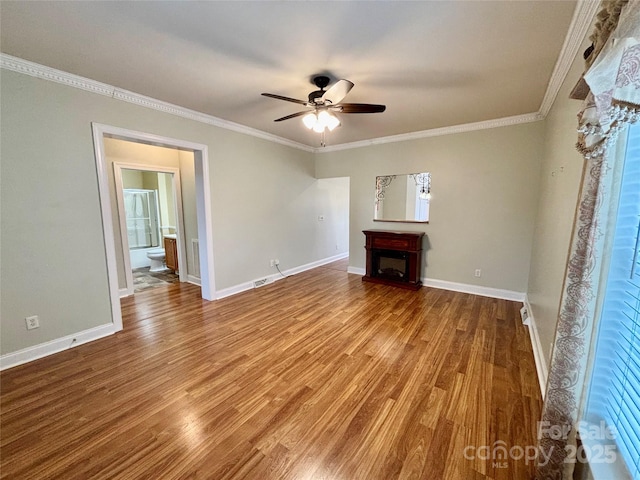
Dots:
(359, 108)
(293, 115)
(286, 99)
(337, 91)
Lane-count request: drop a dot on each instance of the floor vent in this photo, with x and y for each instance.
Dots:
(195, 256)
(525, 315)
(259, 283)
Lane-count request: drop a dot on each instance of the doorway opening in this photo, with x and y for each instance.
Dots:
(152, 217)
(111, 221)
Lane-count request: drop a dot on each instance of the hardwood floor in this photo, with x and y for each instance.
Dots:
(341, 265)
(317, 376)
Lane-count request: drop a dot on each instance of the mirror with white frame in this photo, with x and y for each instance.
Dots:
(403, 198)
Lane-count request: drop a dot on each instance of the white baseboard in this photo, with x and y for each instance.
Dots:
(538, 354)
(125, 292)
(475, 289)
(356, 270)
(317, 263)
(60, 344)
(29, 354)
(243, 287)
(461, 287)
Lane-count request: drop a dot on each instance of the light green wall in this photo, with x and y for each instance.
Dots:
(560, 179)
(483, 206)
(53, 255)
(491, 190)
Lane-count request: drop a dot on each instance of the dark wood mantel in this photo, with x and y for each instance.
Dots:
(393, 258)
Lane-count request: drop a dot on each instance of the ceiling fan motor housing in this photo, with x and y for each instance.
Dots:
(320, 81)
(316, 97)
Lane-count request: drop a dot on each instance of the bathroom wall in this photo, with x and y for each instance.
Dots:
(188, 178)
(150, 155)
(162, 184)
(132, 179)
(166, 201)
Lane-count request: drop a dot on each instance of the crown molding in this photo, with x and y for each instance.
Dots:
(32, 69)
(580, 25)
(36, 70)
(436, 132)
(582, 20)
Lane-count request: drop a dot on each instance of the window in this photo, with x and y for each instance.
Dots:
(614, 391)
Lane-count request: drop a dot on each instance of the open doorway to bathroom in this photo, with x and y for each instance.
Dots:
(156, 230)
(195, 225)
(148, 207)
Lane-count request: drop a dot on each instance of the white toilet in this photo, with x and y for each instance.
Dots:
(157, 260)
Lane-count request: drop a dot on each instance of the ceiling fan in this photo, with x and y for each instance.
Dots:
(325, 103)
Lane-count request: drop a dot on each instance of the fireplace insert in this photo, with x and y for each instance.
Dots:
(390, 264)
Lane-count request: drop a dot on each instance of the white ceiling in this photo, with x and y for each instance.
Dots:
(434, 64)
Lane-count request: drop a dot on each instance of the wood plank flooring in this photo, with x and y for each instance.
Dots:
(317, 376)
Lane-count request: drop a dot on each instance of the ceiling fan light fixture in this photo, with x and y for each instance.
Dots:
(323, 118)
(319, 122)
(310, 120)
(324, 104)
(332, 123)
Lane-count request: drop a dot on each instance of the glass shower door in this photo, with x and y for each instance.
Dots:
(141, 209)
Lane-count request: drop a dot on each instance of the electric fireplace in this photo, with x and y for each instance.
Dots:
(390, 264)
(394, 258)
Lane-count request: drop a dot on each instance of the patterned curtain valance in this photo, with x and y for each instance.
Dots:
(606, 22)
(613, 80)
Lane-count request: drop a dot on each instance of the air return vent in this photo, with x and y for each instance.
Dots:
(259, 283)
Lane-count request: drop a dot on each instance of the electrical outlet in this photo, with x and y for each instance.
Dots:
(272, 263)
(277, 261)
(478, 272)
(32, 322)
